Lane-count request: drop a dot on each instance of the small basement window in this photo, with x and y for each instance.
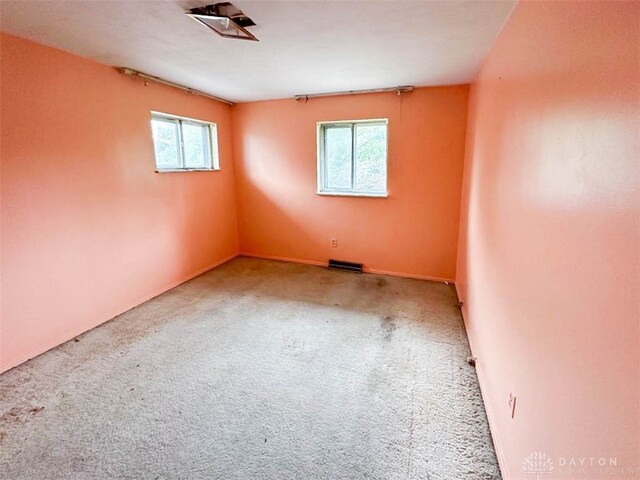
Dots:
(352, 158)
(184, 144)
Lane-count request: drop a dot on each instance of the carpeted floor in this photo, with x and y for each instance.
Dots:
(257, 370)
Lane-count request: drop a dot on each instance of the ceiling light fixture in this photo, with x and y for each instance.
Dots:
(225, 19)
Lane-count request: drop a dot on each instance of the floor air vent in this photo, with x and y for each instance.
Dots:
(342, 265)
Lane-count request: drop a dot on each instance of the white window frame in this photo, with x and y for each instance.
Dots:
(323, 188)
(213, 153)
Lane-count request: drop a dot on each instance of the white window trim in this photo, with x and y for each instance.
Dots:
(214, 153)
(321, 175)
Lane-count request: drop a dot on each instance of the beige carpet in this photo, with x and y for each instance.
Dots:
(257, 370)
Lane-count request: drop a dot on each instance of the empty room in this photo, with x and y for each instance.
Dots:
(318, 239)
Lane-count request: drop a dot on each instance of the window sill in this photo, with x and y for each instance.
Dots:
(178, 170)
(353, 194)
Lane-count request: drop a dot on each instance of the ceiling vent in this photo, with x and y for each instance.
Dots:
(225, 19)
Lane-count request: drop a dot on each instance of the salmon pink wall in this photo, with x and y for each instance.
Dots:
(549, 256)
(413, 232)
(88, 229)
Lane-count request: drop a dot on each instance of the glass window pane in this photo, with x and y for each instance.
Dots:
(337, 149)
(166, 143)
(371, 158)
(196, 145)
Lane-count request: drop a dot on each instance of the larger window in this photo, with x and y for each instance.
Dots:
(352, 158)
(184, 144)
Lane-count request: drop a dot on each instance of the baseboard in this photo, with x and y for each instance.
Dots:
(283, 259)
(72, 334)
(409, 275)
(172, 285)
(497, 444)
(374, 271)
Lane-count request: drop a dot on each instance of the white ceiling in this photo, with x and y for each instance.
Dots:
(305, 46)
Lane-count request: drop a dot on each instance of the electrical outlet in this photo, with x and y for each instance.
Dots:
(512, 404)
(334, 242)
